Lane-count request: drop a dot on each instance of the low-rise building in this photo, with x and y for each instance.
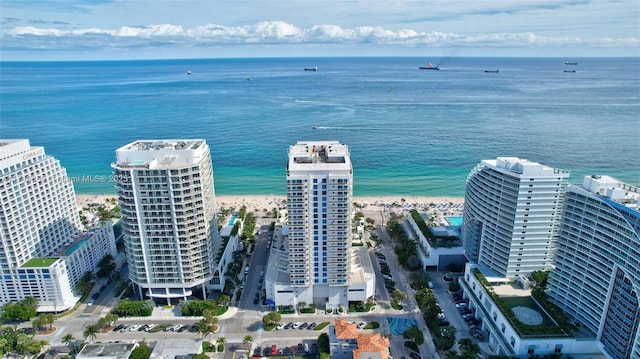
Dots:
(280, 292)
(107, 351)
(515, 323)
(345, 342)
(437, 257)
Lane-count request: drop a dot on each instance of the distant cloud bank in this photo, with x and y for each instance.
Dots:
(278, 32)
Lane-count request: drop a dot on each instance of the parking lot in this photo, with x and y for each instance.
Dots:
(306, 347)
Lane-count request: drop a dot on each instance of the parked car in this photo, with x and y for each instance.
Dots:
(274, 350)
(415, 355)
(461, 305)
(124, 328)
(441, 316)
(312, 326)
(185, 327)
(288, 326)
(303, 325)
(118, 327)
(362, 325)
(443, 323)
(134, 327)
(296, 325)
(257, 351)
(280, 326)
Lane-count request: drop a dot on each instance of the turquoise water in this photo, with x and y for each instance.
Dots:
(454, 221)
(72, 248)
(232, 220)
(410, 132)
(397, 326)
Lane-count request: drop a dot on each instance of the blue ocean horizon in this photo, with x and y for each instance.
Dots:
(411, 132)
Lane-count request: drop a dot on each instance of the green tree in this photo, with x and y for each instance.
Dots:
(271, 318)
(221, 342)
(141, 352)
(111, 318)
(248, 339)
(106, 265)
(468, 348)
(91, 332)
(37, 324)
(323, 343)
(414, 334)
(204, 329)
(398, 295)
(69, 341)
(22, 310)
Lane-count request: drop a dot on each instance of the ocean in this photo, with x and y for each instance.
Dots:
(410, 131)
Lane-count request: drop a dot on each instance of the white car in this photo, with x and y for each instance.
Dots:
(149, 327)
(280, 326)
(134, 327)
(441, 316)
(461, 305)
(296, 325)
(362, 325)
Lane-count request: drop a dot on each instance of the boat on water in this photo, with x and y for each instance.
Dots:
(569, 70)
(315, 68)
(314, 127)
(570, 63)
(429, 67)
(189, 72)
(493, 71)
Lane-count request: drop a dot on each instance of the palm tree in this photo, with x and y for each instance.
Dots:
(302, 305)
(204, 329)
(111, 318)
(221, 342)
(248, 339)
(467, 345)
(91, 331)
(69, 341)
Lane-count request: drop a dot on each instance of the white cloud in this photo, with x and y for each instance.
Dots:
(282, 33)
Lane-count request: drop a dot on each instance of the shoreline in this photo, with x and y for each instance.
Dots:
(268, 202)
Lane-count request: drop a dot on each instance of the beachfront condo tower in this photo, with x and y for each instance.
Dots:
(315, 262)
(319, 191)
(166, 195)
(596, 267)
(510, 215)
(41, 236)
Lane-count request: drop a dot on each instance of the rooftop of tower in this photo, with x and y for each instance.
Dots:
(318, 153)
(523, 167)
(154, 145)
(613, 189)
(156, 154)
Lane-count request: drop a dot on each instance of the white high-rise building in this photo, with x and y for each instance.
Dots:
(596, 267)
(313, 260)
(166, 195)
(510, 215)
(40, 230)
(319, 191)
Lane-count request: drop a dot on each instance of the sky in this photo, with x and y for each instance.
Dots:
(170, 29)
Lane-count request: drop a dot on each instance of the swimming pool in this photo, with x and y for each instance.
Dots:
(397, 326)
(74, 247)
(232, 220)
(455, 221)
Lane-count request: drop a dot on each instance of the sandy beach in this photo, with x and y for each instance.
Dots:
(261, 202)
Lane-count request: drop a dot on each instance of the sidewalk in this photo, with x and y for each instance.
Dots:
(174, 312)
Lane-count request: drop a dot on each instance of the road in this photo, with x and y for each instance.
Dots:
(247, 320)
